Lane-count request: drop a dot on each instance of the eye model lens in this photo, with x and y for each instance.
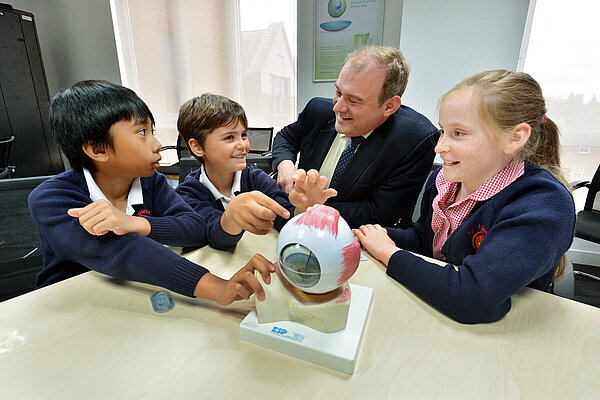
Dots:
(300, 265)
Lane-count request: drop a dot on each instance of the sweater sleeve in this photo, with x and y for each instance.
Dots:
(408, 239)
(174, 222)
(130, 257)
(267, 185)
(197, 196)
(525, 242)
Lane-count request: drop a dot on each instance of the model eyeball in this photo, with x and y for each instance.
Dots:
(300, 266)
(316, 250)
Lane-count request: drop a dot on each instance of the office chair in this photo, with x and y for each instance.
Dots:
(20, 254)
(182, 152)
(259, 156)
(5, 146)
(587, 226)
(180, 147)
(261, 140)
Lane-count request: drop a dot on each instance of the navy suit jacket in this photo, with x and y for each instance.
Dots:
(383, 180)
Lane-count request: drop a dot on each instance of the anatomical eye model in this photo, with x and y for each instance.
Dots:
(316, 254)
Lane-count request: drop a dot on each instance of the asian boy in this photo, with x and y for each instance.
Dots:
(113, 212)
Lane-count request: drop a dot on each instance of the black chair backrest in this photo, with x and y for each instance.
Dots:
(593, 188)
(182, 149)
(5, 146)
(186, 166)
(261, 140)
(20, 253)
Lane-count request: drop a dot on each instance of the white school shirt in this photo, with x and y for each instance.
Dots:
(134, 197)
(235, 189)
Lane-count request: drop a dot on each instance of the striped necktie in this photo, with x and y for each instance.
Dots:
(344, 160)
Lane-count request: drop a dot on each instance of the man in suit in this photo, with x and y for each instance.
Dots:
(378, 177)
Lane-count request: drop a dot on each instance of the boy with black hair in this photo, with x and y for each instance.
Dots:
(224, 190)
(112, 213)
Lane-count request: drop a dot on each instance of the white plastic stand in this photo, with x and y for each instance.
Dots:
(336, 350)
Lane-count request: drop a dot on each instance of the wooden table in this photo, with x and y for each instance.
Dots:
(95, 337)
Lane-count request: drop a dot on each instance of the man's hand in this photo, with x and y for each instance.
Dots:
(240, 286)
(309, 189)
(376, 241)
(285, 171)
(101, 217)
(252, 211)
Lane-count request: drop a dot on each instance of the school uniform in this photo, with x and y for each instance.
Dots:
(203, 197)
(68, 249)
(514, 239)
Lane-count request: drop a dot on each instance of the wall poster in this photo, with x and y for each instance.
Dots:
(342, 26)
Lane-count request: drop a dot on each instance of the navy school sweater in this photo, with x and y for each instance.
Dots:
(201, 199)
(69, 250)
(512, 240)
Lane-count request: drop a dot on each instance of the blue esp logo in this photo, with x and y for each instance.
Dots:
(295, 336)
(279, 331)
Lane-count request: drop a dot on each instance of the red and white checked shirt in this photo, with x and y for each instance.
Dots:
(448, 215)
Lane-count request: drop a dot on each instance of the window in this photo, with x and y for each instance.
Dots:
(171, 50)
(280, 103)
(268, 37)
(561, 53)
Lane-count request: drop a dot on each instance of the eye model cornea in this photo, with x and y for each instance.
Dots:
(300, 265)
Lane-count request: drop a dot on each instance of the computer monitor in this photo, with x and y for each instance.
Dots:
(261, 140)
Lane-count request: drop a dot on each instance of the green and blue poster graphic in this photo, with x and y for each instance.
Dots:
(342, 26)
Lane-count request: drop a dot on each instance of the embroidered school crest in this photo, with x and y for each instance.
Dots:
(478, 236)
(143, 213)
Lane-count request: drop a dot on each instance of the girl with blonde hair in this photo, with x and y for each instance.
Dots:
(499, 212)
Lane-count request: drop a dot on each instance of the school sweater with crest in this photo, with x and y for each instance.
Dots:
(202, 200)
(69, 250)
(512, 240)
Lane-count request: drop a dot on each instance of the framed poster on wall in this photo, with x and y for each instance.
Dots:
(342, 26)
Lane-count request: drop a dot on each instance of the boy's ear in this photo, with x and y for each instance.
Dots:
(517, 138)
(195, 147)
(95, 152)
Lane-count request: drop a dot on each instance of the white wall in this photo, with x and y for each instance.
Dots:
(447, 40)
(442, 41)
(76, 39)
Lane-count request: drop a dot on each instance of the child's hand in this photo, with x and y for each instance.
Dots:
(240, 286)
(309, 190)
(376, 241)
(252, 211)
(100, 217)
